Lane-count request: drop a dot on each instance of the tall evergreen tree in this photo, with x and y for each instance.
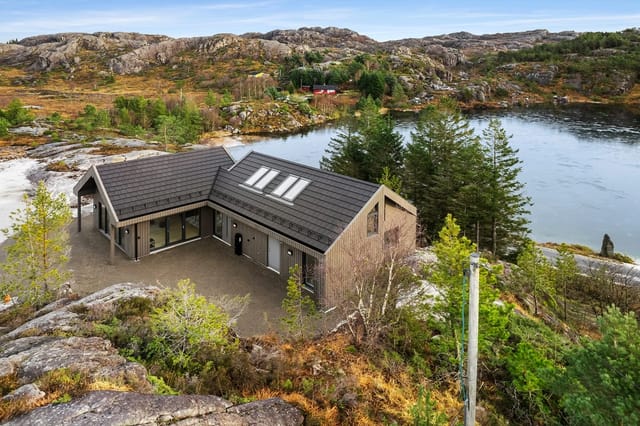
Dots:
(34, 267)
(345, 154)
(504, 209)
(441, 166)
(384, 148)
(366, 147)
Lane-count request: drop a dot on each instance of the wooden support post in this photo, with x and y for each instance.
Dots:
(79, 212)
(112, 244)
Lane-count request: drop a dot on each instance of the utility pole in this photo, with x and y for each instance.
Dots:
(472, 348)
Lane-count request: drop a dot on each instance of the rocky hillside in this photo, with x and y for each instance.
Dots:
(52, 362)
(130, 53)
(478, 70)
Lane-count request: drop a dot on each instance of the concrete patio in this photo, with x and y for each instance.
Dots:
(207, 262)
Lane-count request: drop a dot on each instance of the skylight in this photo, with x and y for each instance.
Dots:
(266, 179)
(296, 189)
(286, 191)
(257, 175)
(286, 184)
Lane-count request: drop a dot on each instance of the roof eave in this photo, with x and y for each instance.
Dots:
(95, 174)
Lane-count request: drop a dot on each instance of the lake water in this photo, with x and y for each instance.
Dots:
(581, 166)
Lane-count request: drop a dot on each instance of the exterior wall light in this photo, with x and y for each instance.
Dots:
(290, 252)
(126, 231)
(235, 225)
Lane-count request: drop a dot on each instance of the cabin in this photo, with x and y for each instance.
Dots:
(276, 212)
(324, 89)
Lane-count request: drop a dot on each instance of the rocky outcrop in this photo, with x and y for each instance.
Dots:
(29, 358)
(65, 50)
(57, 340)
(316, 38)
(130, 53)
(469, 43)
(108, 408)
(219, 47)
(56, 320)
(607, 246)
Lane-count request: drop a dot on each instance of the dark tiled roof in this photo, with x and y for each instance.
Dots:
(158, 183)
(315, 218)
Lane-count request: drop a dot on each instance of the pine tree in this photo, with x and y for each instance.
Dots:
(345, 154)
(504, 205)
(600, 386)
(566, 273)
(366, 146)
(384, 148)
(441, 165)
(393, 182)
(447, 274)
(534, 275)
(34, 267)
(300, 310)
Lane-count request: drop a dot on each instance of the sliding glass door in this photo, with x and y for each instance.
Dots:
(174, 229)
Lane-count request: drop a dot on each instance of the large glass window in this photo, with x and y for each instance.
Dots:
(192, 224)
(218, 224)
(174, 229)
(120, 236)
(372, 221)
(103, 218)
(309, 272)
(157, 233)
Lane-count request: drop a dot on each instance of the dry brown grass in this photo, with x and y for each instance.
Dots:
(384, 393)
(61, 166)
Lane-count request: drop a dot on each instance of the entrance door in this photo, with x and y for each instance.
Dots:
(238, 244)
(274, 254)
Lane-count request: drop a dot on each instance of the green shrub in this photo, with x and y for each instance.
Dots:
(4, 127)
(185, 324)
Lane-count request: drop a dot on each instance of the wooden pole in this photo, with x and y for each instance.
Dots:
(472, 360)
(112, 244)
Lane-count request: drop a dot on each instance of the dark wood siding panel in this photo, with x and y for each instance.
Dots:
(143, 239)
(128, 241)
(287, 262)
(206, 222)
(97, 198)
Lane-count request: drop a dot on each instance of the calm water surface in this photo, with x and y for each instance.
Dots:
(581, 166)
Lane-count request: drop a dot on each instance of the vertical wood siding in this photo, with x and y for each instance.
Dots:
(355, 251)
(206, 222)
(143, 239)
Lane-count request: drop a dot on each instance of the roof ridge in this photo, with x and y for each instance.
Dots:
(213, 182)
(168, 155)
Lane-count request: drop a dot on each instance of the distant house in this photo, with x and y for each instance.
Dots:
(324, 89)
(276, 212)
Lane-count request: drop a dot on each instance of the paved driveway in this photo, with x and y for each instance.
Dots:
(208, 262)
